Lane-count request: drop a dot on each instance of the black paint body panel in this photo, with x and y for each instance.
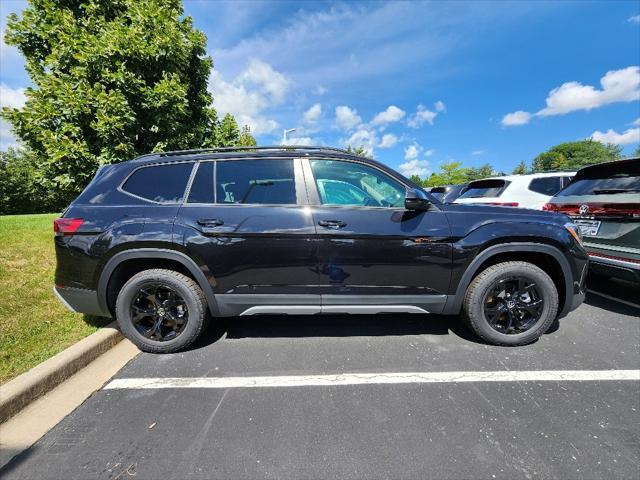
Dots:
(256, 251)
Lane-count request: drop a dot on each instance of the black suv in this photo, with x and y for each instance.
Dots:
(167, 241)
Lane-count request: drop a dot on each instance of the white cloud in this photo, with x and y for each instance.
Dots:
(388, 140)
(412, 152)
(440, 106)
(617, 86)
(320, 90)
(390, 115)
(301, 141)
(636, 122)
(347, 118)
(516, 118)
(313, 114)
(634, 19)
(423, 115)
(247, 97)
(415, 167)
(478, 152)
(11, 97)
(364, 138)
(6, 136)
(631, 135)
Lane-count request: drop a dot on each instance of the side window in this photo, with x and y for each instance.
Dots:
(202, 187)
(566, 181)
(349, 183)
(269, 182)
(546, 185)
(160, 183)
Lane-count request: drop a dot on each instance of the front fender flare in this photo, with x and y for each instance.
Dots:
(454, 302)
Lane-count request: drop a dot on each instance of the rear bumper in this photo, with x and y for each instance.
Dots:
(614, 266)
(80, 300)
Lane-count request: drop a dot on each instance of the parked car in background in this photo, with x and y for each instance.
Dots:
(168, 240)
(447, 193)
(525, 191)
(604, 201)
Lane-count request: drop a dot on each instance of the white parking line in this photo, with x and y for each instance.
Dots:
(374, 378)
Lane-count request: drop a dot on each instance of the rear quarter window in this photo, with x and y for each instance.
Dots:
(159, 183)
(485, 188)
(546, 185)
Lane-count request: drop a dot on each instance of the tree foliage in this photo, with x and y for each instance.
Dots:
(521, 168)
(112, 79)
(575, 155)
(20, 190)
(359, 151)
(453, 173)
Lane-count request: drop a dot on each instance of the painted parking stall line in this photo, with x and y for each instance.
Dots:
(375, 379)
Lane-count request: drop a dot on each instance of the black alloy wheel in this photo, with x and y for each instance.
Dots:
(513, 305)
(158, 312)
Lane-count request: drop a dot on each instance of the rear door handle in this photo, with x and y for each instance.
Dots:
(333, 224)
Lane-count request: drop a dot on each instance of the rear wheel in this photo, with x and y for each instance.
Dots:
(161, 311)
(511, 303)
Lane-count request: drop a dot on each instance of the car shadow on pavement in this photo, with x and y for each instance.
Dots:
(294, 326)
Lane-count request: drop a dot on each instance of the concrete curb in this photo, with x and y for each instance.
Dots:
(24, 389)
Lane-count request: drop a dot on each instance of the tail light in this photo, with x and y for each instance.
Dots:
(66, 226)
(503, 204)
(598, 209)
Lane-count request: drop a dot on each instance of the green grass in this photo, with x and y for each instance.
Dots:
(34, 325)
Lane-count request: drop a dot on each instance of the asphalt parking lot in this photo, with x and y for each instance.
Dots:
(348, 410)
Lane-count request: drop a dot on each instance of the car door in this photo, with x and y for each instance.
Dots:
(372, 250)
(253, 234)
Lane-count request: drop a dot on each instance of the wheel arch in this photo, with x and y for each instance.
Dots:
(525, 251)
(151, 258)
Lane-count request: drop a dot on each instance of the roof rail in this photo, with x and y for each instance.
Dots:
(242, 149)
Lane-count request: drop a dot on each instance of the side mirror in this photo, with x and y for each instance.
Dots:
(416, 200)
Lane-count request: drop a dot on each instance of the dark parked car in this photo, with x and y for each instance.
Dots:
(604, 202)
(447, 193)
(167, 241)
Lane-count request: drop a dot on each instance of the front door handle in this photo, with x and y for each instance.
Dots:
(210, 222)
(333, 224)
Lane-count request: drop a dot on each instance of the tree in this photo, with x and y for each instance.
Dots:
(452, 173)
(246, 139)
(20, 191)
(359, 151)
(575, 155)
(477, 173)
(227, 132)
(112, 79)
(521, 168)
(417, 180)
(636, 153)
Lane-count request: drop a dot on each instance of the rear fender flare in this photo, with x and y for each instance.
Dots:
(159, 253)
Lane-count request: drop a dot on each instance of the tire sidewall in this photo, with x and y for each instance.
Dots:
(191, 299)
(546, 288)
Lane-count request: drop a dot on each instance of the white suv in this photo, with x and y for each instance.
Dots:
(525, 191)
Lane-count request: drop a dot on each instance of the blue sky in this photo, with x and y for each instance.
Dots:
(418, 83)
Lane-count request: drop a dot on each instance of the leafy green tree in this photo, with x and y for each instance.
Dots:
(20, 190)
(451, 173)
(227, 132)
(521, 168)
(112, 79)
(636, 153)
(246, 139)
(477, 173)
(575, 155)
(359, 151)
(417, 180)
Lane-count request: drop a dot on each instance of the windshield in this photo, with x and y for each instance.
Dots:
(484, 188)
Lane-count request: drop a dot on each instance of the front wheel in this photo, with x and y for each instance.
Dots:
(161, 311)
(511, 303)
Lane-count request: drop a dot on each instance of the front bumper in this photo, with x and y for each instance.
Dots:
(80, 300)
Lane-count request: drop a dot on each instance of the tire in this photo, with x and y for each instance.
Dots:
(187, 294)
(478, 307)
